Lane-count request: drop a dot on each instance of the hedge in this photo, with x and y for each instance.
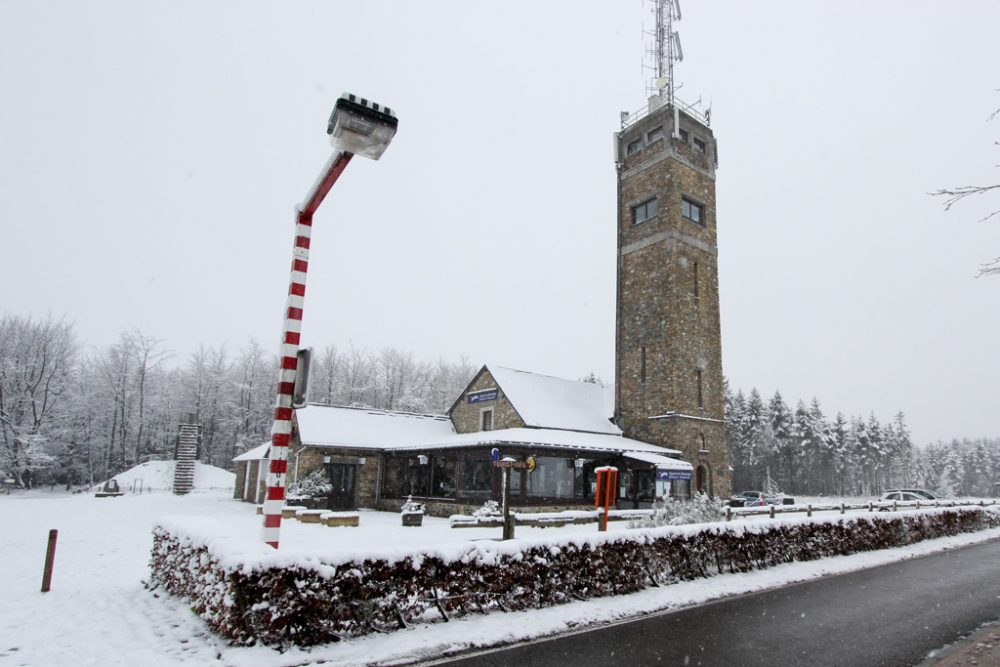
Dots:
(249, 593)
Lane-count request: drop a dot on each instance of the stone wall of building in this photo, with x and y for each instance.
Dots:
(467, 417)
(669, 348)
(241, 479)
(304, 460)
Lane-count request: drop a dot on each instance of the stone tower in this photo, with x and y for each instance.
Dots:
(668, 356)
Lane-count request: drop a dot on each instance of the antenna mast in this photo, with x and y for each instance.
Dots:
(666, 48)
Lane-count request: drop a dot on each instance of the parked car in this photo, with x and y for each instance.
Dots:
(902, 497)
(923, 493)
(756, 499)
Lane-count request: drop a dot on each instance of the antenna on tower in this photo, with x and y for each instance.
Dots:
(665, 49)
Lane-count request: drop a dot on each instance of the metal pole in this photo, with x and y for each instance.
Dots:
(508, 520)
(50, 558)
(281, 431)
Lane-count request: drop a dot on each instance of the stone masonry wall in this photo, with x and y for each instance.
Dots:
(241, 479)
(305, 460)
(668, 299)
(466, 416)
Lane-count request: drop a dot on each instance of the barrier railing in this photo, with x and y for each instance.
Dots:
(774, 510)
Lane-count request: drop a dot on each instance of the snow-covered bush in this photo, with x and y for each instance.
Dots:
(313, 485)
(489, 510)
(261, 596)
(675, 512)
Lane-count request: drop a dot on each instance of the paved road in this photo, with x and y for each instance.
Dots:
(890, 615)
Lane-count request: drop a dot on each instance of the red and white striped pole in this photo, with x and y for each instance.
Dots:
(281, 431)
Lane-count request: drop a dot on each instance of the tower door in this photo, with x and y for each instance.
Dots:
(342, 476)
(699, 480)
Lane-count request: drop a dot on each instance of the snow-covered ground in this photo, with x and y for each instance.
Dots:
(98, 612)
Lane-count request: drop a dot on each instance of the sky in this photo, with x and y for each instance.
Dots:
(152, 155)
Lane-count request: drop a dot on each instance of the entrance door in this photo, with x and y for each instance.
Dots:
(342, 480)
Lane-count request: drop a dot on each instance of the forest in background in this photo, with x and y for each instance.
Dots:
(71, 414)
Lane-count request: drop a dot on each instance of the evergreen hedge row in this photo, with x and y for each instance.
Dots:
(282, 602)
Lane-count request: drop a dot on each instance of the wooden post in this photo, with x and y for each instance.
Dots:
(809, 510)
(729, 513)
(50, 557)
(508, 520)
(842, 508)
(772, 511)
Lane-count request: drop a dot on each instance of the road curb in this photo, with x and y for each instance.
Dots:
(982, 647)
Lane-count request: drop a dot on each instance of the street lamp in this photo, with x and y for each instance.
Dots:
(356, 127)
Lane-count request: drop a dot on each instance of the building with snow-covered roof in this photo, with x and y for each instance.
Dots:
(376, 458)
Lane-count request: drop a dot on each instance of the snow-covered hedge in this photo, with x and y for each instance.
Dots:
(248, 592)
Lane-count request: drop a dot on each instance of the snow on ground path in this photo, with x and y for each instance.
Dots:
(99, 613)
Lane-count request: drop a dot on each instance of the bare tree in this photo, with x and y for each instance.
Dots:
(957, 194)
(36, 360)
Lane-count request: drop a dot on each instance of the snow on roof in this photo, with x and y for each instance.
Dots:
(337, 426)
(549, 402)
(660, 461)
(255, 454)
(600, 442)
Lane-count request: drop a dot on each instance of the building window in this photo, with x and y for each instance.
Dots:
(477, 477)
(553, 478)
(693, 211)
(644, 211)
(642, 364)
(443, 484)
(701, 393)
(699, 145)
(634, 147)
(695, 277)
(486, 420)
(654, 135)
(684, 135)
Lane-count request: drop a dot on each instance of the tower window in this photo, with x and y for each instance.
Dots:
(701, 394)
(644, 211)
(634, 147)
(699, 145)
(642, 364)
(655, 134)
(486, 420)
(683, 135)
(693, 211)
(695, 279)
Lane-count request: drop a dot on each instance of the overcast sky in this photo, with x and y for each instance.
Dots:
(152, 153)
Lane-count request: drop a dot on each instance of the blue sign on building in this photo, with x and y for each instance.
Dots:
(483, 396)
(671, 475)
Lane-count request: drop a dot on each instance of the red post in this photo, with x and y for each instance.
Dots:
(281, 431)
(50, 558)
(605, 493)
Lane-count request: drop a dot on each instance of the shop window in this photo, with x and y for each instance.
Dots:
(477, 477)
(552, 478)
(443, 480)
(644, 211)
(418, 478)
(693, 211)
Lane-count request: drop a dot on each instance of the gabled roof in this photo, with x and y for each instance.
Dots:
(338, 426)
(549, 402)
